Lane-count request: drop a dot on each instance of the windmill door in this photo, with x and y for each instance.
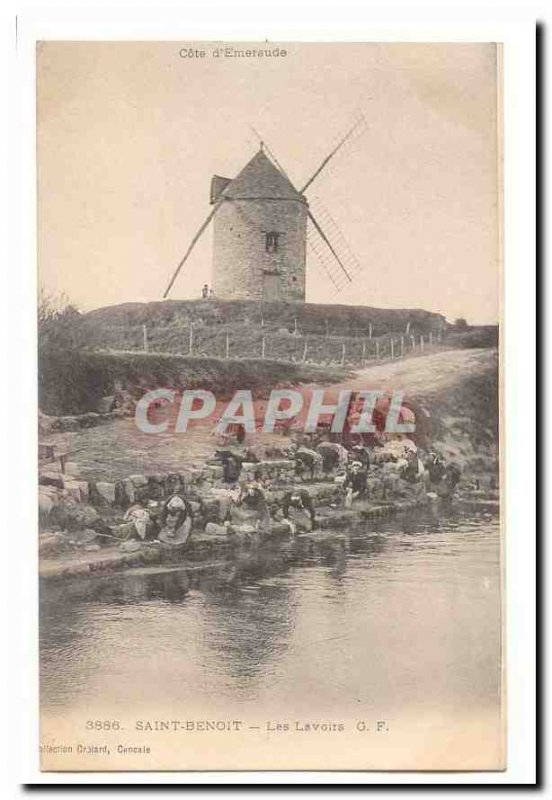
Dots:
(270, 287)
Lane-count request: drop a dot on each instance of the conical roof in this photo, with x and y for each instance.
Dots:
(261, 179)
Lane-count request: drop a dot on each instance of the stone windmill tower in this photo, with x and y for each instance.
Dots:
(260, 234)
(262, 224)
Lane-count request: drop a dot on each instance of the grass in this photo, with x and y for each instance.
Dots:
(100, 373)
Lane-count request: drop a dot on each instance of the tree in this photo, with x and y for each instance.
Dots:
(60, 368)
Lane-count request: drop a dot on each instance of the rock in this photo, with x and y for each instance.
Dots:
(89, 420)
(51, 542)
(130, 546)
(46, 424)
(85, 536)
(155, 487)
(74, 516)
(72, 468)
(45, 503)
(138, 481)
(123, 531)
(125, 402)
(92, 548)
(214, 529)
(106, 491)
(128, 490)
(77, 489)
(106, 404)
(69, 424)
(51, 479)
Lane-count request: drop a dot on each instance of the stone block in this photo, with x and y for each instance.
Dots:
(78, 490)
(45, 503)
(51, 479)
(106, 491)
(123, 531)
(128, 491)
(106, 404)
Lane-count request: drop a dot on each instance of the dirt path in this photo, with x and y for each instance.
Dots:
(425, 375)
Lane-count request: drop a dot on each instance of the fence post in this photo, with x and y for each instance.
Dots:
(392, 348)
(407, 331)
(227, 346)
(370, 330)
(422, 343)
(402, 345)
(343, 353)
(413, 343)
(294, 324)
(327, 324)
(363, 354)
(263, 347)
(430, 338)
(191, 343)
(145, 332)
(305, 348)
(377, 350)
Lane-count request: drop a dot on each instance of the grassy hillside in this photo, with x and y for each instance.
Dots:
(240, 329)
(310, 318)
(76, 385)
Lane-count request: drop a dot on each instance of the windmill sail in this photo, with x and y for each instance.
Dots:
(330, 247)
(324, 259)
(336, 237)
(191, 247)
(357, 129)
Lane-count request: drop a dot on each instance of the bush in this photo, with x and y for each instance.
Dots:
(63, 374)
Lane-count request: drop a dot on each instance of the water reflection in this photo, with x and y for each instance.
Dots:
(405, 611)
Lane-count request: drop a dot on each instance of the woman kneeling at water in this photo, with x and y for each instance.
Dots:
(176, 521)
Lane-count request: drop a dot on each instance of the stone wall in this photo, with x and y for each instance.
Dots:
(240, 260)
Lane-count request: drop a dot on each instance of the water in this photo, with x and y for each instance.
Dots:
(405, 614)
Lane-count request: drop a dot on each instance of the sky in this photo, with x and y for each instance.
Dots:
(130, 134)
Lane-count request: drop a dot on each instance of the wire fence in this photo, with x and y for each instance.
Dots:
(256, 343)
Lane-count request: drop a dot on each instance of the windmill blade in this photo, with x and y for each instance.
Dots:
(191, 247)
(360, 122)
(332, 250)
(334, 234)
(324, 259)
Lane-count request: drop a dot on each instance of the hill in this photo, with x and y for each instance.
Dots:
(310, 318)
(323, 334)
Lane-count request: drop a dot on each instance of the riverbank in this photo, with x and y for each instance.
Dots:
(114, 466)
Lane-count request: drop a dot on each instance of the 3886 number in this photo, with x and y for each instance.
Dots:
(103, 725)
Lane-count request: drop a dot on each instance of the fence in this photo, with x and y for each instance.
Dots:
(202, 340)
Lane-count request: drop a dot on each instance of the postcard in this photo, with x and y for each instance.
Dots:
(269, 449)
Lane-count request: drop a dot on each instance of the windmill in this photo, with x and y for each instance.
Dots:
(262, 225)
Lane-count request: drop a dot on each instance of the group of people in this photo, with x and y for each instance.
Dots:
(169, 522)
(250, 506)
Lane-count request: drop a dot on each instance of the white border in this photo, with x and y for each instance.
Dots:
(284, 20)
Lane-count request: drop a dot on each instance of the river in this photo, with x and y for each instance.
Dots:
(401, 615)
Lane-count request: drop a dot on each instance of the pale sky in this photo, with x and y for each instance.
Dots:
(129, 135)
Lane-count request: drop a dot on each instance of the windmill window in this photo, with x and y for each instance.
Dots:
(271, 242)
